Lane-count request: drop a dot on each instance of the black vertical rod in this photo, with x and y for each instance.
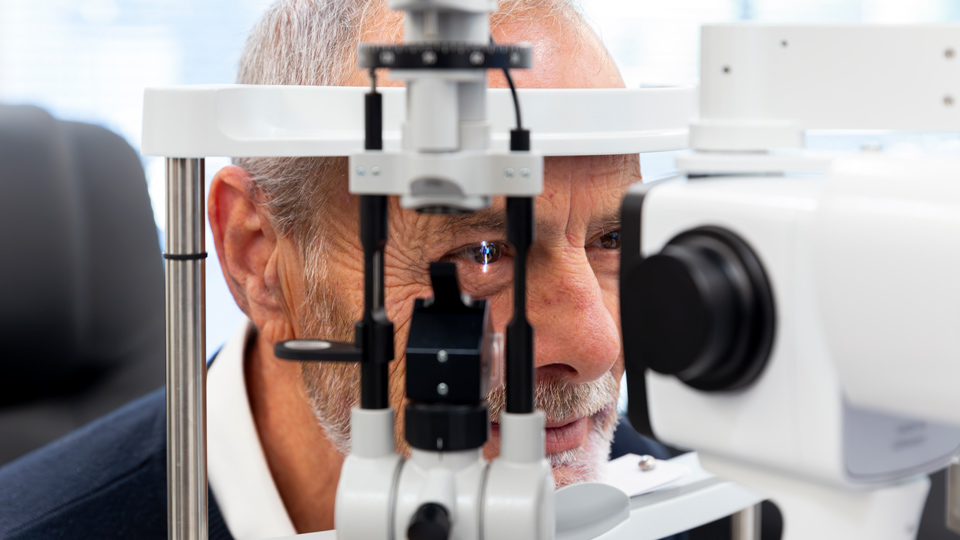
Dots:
(520, 365)
(372, 330)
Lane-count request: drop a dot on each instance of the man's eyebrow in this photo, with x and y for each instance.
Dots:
(605, 223)
(484, 221)
(494, 220)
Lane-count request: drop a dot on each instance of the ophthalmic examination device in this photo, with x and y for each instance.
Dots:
(753, 329)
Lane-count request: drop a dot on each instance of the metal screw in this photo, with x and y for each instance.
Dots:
(949, 53)
(525, 172)
(647, 463)
(361, 171)
(429, 58)
(375, 171)
(509, 173)
(948, 101)
(515, 58)
(443, 389)
(476, 58)
(387, 57)
(784, 43)
(442, 356)
(726, 69)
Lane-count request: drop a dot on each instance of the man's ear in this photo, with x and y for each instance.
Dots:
(249, 250)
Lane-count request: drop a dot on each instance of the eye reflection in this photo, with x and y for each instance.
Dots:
(611, 240)
(486, 253)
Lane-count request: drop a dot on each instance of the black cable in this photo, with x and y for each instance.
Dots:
(513, 92)
(516, 101)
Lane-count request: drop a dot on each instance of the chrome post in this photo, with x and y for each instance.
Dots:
(953, 496)
(186, 351)
(746, 524)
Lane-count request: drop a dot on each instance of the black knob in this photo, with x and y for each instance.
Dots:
(703, 310)
(430, 522)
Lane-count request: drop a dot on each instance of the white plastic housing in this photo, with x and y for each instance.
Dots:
(519, 493)
(451, 479)
(763, 85)
(267, 121)
(365, 493)
(887, 266)
(813, 412)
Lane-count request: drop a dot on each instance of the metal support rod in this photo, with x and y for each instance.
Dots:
(953, 496)
(374, 332)
(746, 524)
(186, 346)
(520, 363)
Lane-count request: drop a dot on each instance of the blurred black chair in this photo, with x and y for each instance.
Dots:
(81, 278)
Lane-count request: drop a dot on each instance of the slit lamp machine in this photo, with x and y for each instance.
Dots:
(793, 316)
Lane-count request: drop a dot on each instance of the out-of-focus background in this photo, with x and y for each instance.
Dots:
(89, 60)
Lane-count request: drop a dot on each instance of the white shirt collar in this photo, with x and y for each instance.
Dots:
(237, 469)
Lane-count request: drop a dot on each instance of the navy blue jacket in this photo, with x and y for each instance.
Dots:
(108, 480)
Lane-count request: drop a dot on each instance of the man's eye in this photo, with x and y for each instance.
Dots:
(485, 252)
(611, 240)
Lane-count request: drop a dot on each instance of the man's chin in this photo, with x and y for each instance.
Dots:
(582, 464)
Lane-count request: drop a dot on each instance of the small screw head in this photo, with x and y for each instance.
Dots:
(443, 389)
(509, 173)
(948, 101)
(949, 53)
(784, 43)
(361, 171)
(429, 58)
(726, 70)
(525, 172)
(387, 57)
(647, 463)
(477, 58)
(515, 58)
(375, 171)
(442, 356)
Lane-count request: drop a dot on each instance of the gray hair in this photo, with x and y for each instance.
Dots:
(314, 42)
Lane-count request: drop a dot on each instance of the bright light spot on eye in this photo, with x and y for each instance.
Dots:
(487, 253)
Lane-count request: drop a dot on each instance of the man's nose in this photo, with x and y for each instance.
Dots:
(576, 335)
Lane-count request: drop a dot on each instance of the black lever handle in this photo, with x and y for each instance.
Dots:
(430, 522)
(315, 350)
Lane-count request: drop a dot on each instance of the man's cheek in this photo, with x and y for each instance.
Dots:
(400, 299)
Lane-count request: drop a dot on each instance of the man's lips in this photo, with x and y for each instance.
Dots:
(560, 436)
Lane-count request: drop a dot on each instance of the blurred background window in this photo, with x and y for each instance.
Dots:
(89, 60)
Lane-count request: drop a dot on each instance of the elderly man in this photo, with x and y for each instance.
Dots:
(286, 234)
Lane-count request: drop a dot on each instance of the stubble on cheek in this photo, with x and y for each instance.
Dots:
(333, 388)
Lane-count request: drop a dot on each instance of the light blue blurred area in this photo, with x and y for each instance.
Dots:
(90, 60)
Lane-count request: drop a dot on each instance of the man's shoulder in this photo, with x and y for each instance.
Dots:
(627, 441)
(104, 480)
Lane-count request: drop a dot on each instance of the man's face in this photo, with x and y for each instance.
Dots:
(572, 303)
(572, 288)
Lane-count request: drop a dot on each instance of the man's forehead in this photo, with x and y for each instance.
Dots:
(567, 53)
